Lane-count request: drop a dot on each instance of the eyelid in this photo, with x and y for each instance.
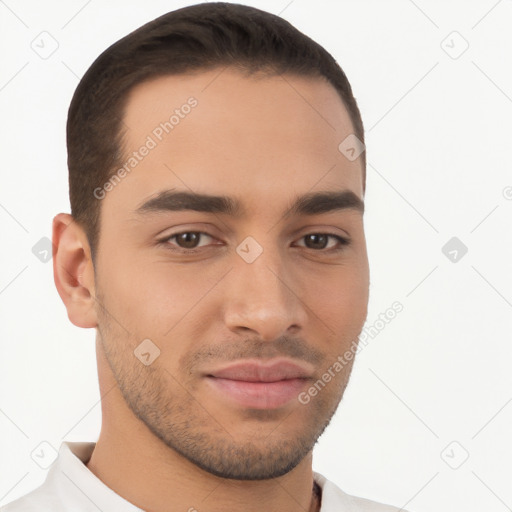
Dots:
(343, 241)
(165, 240)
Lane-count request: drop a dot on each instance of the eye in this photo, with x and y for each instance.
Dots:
(319, 241)
(187, 242)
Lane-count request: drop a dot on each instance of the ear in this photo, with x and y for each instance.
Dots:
(73, 271)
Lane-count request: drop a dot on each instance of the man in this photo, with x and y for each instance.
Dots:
(216, 243)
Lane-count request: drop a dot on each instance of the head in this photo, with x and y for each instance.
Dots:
(213, 219)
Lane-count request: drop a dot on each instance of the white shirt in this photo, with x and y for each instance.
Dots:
(71, 486)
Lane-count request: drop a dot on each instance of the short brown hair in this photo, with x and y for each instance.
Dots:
(203, 36)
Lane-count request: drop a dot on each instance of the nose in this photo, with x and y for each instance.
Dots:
(264, 297)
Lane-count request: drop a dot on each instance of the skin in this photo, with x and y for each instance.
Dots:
(167, 437)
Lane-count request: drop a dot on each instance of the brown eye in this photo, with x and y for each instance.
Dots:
(319, 242)
(185, 241)
(188, 240)
(316, 241)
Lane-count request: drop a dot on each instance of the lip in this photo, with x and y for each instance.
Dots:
(260, 385)
(256, 371)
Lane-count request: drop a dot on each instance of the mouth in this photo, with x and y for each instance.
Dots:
(255, 385)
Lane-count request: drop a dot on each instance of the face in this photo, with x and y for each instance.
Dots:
(255, 277)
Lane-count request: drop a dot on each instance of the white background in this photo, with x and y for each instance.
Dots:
(439, 143)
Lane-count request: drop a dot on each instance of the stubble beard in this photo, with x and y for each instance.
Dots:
(176, 415)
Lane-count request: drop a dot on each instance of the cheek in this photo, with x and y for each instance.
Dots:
(341, 303)
(159, 297)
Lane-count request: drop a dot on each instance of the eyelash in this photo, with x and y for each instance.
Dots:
(344, 242)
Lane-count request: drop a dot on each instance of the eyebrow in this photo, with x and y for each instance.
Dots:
(312, 203)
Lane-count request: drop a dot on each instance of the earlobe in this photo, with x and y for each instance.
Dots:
(73, 271)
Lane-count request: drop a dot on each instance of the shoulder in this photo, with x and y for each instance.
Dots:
(35, 501)
(335, 499)
(364, 505)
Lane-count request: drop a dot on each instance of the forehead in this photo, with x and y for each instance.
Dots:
(222, 132)
(300, 107)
